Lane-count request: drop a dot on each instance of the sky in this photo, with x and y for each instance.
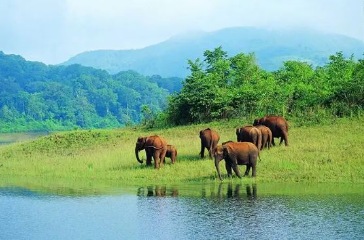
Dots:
(52, 31)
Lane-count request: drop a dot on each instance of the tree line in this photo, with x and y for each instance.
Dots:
(222, 87)
(35, 96)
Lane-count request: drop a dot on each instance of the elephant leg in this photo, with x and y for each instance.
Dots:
(247, 170)
(266, 142)
(213, 145)
(149, 157)
(263, 145)
(210, 153)
(254, 171)
(162, 156)
(202, 152)
(236, 169)
(157, 160)
(285, 138)
(173, 158)
(228, 168)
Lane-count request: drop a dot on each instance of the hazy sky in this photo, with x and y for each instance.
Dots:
(52, 31)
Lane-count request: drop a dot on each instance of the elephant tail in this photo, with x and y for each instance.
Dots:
(259, 156)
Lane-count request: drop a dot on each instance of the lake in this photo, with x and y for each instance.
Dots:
(7, 138)
(194, 211)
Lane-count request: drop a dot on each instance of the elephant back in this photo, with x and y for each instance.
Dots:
(209, 136)
(276, 124)
(249, 134)
(156, 142)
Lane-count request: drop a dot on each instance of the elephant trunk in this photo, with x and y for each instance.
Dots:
(217, 165)
(137, 155)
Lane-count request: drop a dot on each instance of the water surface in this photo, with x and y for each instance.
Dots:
(218, 211)
(8, 138)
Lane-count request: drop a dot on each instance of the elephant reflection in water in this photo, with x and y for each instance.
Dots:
(157, 191)
(238, 191)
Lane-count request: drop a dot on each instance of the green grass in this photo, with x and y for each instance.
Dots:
(317, 154)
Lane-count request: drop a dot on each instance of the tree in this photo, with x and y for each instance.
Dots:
(245, 69)
(218, 66)
(296, 78)
(351, 93)
(67, 96)
(340, 74)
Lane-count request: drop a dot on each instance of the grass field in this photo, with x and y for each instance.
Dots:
(331, 153)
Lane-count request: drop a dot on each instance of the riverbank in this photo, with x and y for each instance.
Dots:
(330, 153)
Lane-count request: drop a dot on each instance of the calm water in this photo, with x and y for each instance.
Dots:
(227, 211)
(7, 138)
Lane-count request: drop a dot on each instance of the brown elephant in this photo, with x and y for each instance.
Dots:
(266, 136)
(277, 124)
(249, 134)
(171, 153)
(155, 146)
(209, 139)
(234, 154)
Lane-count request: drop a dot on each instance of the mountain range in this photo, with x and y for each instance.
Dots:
(271, 48)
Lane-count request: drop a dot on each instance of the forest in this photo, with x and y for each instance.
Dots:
(39, 97)
(222, 87)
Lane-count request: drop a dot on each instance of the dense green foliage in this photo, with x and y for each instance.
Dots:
(272, 47)
(222, 87)
(34, 96)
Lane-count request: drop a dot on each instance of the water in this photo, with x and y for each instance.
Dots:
(8, 138)
(227, 211)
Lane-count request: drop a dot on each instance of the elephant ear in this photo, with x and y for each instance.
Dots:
(140, 140)
(145, 141)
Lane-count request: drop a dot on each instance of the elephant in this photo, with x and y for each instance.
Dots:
(277, 124)
(209, 139)
(266, 136)
(234, 154)
(155, 146)
(171, 153)
(249, 134)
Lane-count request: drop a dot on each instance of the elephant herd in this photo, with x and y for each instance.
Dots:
(251, 140)
(157, 148)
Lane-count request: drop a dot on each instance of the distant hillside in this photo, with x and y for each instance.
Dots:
(35, 96)
(271, 47)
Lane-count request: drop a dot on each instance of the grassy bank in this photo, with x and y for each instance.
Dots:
(331, 153)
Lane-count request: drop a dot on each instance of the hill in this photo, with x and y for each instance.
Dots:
(271, 48)
(35, 96)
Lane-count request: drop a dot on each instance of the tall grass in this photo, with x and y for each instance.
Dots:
(331, 153)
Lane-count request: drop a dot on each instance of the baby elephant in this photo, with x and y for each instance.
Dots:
(234, 154)
(171, 153)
